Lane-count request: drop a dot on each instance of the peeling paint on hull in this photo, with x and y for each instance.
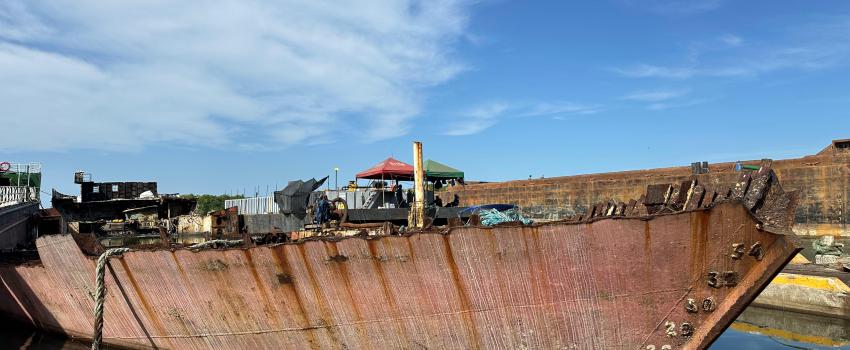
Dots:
(611, 283)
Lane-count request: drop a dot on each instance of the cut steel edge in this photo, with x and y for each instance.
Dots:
(722, 320)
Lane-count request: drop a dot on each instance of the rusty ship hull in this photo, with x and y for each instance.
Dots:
(664, 281)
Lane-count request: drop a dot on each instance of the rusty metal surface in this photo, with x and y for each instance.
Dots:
(226, 223)
(673, 281)
(609, 284)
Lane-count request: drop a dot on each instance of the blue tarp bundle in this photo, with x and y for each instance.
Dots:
(492, 217)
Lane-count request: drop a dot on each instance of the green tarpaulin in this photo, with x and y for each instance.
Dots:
(436, 170)
(11, 179)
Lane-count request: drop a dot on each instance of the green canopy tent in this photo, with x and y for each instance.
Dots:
(439, 171)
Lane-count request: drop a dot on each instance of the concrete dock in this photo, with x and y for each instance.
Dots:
(809, 289)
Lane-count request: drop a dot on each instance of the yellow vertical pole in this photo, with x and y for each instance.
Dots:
(418, 207)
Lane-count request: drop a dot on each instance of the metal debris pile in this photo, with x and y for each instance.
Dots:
(759, 191)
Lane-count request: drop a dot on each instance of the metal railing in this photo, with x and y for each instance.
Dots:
(20, 174)
(254, 205)
(18, 194)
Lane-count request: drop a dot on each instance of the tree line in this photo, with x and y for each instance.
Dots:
(210, 202)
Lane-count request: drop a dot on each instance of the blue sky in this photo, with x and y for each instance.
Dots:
(246, 95)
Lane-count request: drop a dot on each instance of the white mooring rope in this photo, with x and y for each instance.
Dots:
(100, 294)
(100, 288)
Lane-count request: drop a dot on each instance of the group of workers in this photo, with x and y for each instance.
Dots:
(403, 200)
(439, 202)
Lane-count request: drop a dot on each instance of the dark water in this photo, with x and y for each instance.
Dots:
(733, 339)
(759, 328)
(755, 329)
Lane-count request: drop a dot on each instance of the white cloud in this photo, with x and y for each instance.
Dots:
(559, 108)
(814, 46)
(661, 99)
(684, 72)
(658, 106)
(477, 119)
(677, 7)
(653, 71)
(655, 95)
(732, 40)
(484, 116)
(124, 75)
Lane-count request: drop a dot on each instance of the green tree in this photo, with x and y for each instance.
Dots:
(210, 202)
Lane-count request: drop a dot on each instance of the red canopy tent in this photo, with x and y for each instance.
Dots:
(389, 169)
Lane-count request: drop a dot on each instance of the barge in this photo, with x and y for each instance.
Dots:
(671, 270)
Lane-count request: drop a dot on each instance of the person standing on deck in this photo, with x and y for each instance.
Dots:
(323, 208)
(399, 197)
